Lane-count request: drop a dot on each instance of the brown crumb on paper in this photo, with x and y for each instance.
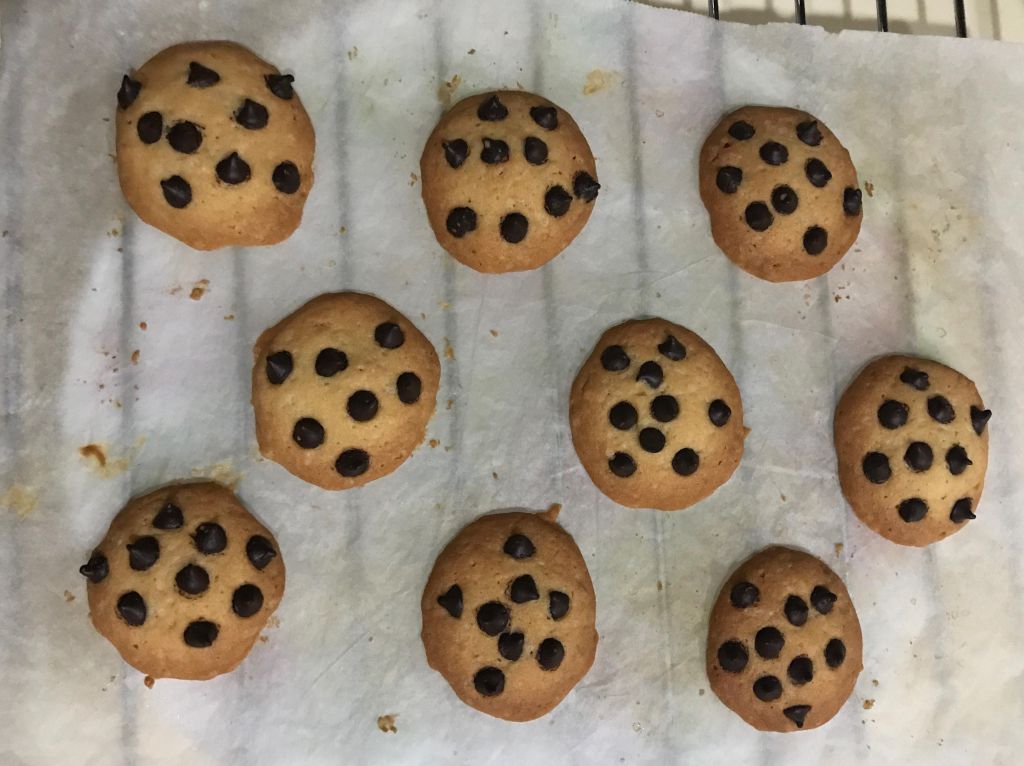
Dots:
(94, 451)
(451, 403)
(353, 53)
(874, 682)
(69, 596)
(700, 692)
(135, 356)
(386, 723)
(471, 51)
(143, 326)
(444, 305)
(869, 188)
(598, 80)
(199, 289)
(413, 178)
(868, 704)
(494, 333)
(20, 499)
(447, 89)
(449, 352)
(149, 681)
(433, 443)
(660, 585)
(839, 549)
(229, 317)
(494, 475)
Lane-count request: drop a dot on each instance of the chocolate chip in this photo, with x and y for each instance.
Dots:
(809, 133)
(651, 374)
(259, 551)
(979, 418)
(246, 600)
(728, 179)
(519, 547)
(169, 517)
(915, 378)
(492, 110)
(279, 367)
(797, 714)
(741, 130)
(913, 509)
(523, 589)
(510, 646)
(961, 511)
(796, 610)
(408, 387)
(308, 433)
(150, 127)
(535, 150)
(957, 460)
(252, 115)
(233, 169)
(614, 359)
(815, 240)
(389, 335)
(455, 152)
(550, 653)
(494, 151)
(940, 409)
(767, 688)
(585, 186)
(732, 656)
(545, 116)
(143, 553)
(96, 568)
(758, 216)
(460, 221)
(352, 462)
(192, 579)
(719, 413)
(514, 227)
(280, 85)
(801, 670)
(784, 200)
(774, 153)
(492, 618)
(451, 600)
(852, 201)
(557, 201)
(489, 682)
(822, 599)
(672, 348)
(622, 465)
(330, 361)
(876, 467)
(128, 92)
(558, 604)
(918, 456)
(769, 642)
(623, 416)
(200, 76)
(817, 173)
(177, 192)
(664, 408)
(835, 653)
(184, 137)
(286, 178)
(652, 440)
(685, 462)
(210, 538)
(744, 594)
(201, 634)
(892, 414)
(362, 406)
(132, 608)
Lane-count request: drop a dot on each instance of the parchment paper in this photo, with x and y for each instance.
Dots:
(116, 335)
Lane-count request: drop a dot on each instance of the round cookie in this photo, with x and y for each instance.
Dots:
(508, 615)
(508, 181)
(343, 389)
(656, 417)
(184, 581)
(781, 192)
(912, 447)
(213, 146)
(784, 642)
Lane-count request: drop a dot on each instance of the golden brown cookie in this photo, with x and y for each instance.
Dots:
(784, 642)
(343, 389)
(213, 146)
(184, 581)
(656, 416)
(912, 447)
(508, 181)
(508, 615)
(781, 192)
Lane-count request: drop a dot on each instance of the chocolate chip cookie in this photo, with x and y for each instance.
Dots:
(508, 615)
(912, 445)
(656, 416)
(184, 581)
(781, 192)
(508, 181)
(213, 146)
(343, 389)
(784, 642)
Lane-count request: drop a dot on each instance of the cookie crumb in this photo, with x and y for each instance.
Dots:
(135, 356)
(839, 549)
(94, 451)
(353, 53)
(700, 692)
(451, 403)
(494, 475)
(199, 289)
(598, 80)
(386, 723)
(782, 497)
(874, 682)
(660, 585)
(868, 704)
(869, 188)
(659, 114)
(413, 178)
(143, 326)
(229, 317)
(149, 681)
(494, 333)
(433, 443)
(444, 305)
(471, 51)
(69, 596)
(449, 352)
(447, 89)
(343, 230)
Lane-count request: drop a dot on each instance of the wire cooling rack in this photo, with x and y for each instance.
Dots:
(881, 13)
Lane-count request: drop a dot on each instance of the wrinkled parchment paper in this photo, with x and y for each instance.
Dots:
(117, 336)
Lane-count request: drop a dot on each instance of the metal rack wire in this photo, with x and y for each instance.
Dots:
(881, 12)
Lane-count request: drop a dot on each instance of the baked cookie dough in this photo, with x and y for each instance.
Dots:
(213, 146)
(912, 446)
(508, 181)
(184, 581)
(784, 642)
(781, 192)
(508, 615)
(656, 417)
(343, 389)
